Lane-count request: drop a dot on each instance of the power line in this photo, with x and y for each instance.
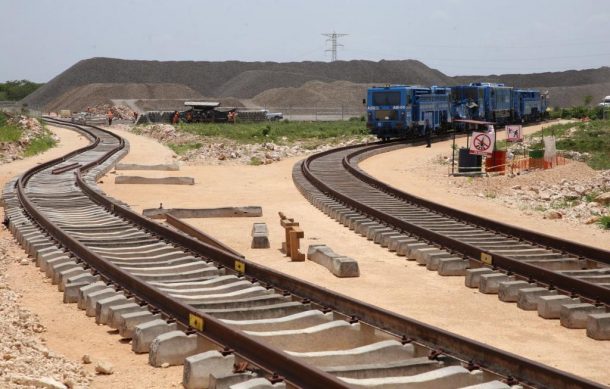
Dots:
(332, 37)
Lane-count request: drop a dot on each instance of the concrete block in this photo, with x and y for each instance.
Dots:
(116, 312)
(128, 321)
(598, 326)
(527, 298)
(452, 266)
(549, 307)
(473, 276)
(387, 239)
(576, 315)
(260, 236)
(406, 248)
(48, 266)
(83, 291)
(222, 381)
(490, 283)
(92, 299)
(102, 307)
(508, 291)
(181, 213)
(434, 259)
(71, 291)
(338, 265)
(199, 367)
(154, 181)
(172, 347)
(145, 333)
(422, 254)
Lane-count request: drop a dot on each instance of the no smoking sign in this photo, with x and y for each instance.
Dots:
(482, 143)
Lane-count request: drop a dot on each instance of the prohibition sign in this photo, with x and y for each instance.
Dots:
(482, 142)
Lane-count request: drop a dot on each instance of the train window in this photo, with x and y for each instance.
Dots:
(386, 98)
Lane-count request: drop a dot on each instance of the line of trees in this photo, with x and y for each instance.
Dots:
(17, 89)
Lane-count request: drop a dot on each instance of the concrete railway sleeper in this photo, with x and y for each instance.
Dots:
(183, 302)
(560, 279)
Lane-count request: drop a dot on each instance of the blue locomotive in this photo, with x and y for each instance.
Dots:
(401, 111)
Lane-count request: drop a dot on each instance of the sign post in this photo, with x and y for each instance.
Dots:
(482, 143)
(514, 133)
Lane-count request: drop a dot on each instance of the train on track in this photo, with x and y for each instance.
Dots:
(401, 111)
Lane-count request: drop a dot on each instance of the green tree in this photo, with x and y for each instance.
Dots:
(17, 89)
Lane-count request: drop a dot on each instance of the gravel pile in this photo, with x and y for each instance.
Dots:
(248, 79)
(32, 129)
(573, 192)
(231, 78)
(581, 201)
(83, 96)
(315, 94)
(25, 361)
(119, 111)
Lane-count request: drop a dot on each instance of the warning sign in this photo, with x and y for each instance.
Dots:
(514, 133)
(482, 143)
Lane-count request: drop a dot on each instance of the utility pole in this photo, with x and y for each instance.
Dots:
(332, 37)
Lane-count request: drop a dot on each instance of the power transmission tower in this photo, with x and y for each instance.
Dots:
(332, 37)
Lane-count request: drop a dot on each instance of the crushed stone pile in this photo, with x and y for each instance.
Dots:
(25, 361)
(118, 111)
(572, 192)
(31, 129)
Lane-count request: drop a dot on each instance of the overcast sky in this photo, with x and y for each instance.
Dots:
(41, 38)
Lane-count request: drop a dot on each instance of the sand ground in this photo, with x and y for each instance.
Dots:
(386, 280)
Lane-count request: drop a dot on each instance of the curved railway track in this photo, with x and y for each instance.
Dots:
(561, 279)
(228, 320)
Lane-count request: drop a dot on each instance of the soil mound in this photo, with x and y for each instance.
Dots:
(315, 93)
(244, 80)
(252, 82)
(230, 78)
(79, 98)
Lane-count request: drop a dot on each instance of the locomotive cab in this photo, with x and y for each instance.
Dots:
(389, 111)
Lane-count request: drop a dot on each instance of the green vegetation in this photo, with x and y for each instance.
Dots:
(579, 112)
(12, 133)
(183, 148)
(591, 137)
(17, 90)
(604, 221)
(8, 132)
(40, 144)
(254, 161)
(283, 132)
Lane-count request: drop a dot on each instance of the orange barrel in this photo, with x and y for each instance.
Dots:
(496, 162)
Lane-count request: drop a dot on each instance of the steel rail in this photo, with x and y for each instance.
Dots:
(267, 357)
(499, 361)
(564, 245)
(488, 357)
(588, 290)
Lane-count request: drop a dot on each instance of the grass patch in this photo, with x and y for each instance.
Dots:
(8, 133)
(254, 161)
(39, 145)
(283, 132)
(604, 221)
(183, 148)
(592, 137)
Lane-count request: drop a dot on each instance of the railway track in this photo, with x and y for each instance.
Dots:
(231, 322)
(560, 279)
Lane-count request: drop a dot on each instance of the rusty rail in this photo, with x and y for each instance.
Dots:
(501, 362)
